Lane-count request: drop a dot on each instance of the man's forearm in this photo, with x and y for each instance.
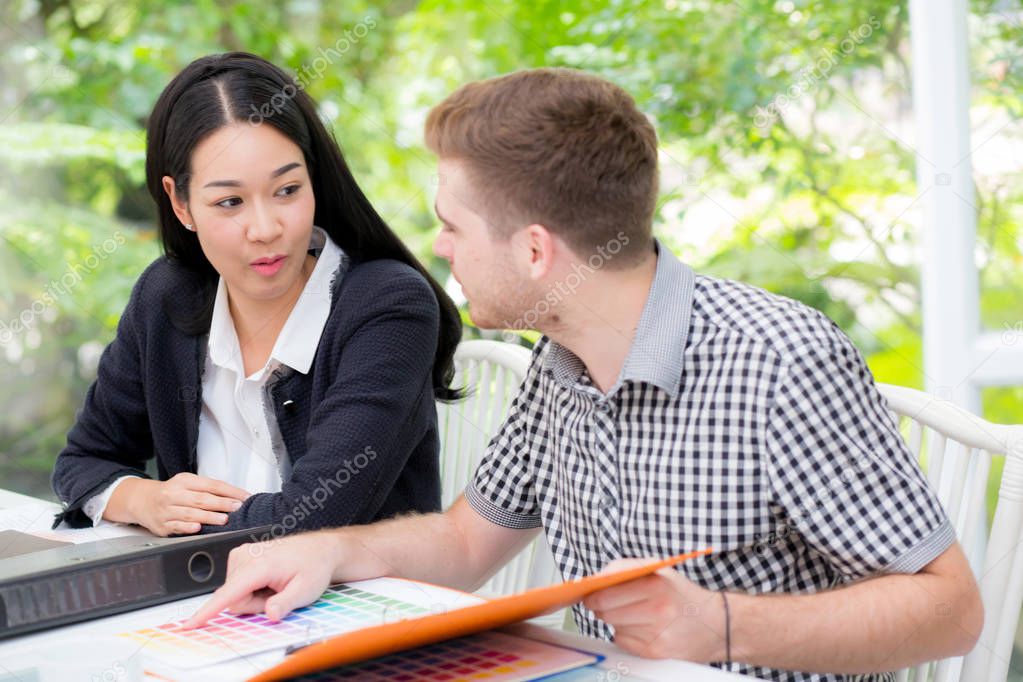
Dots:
(882, 624)
(457, 548)
(421, 547)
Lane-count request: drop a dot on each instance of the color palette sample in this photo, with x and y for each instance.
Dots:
(488, 656)
(342, 608)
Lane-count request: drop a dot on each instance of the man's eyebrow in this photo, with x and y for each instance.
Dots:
(442, 218)
(235, 183)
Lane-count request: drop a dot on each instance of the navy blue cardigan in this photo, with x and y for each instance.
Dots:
(360, 428)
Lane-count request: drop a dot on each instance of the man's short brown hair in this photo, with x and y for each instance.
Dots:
(557, 147)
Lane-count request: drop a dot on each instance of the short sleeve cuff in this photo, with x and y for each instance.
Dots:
(498, 515)
(926, 551)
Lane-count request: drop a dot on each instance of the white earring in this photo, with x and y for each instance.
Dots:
(189, 227)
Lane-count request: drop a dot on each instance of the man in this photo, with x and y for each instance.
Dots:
(662, 412)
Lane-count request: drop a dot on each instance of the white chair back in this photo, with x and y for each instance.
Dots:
(492, 372)
(955, 449)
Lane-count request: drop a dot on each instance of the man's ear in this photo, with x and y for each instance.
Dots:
(540, 248)
(179, 206)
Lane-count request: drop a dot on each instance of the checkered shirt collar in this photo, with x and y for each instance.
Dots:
(656, 354)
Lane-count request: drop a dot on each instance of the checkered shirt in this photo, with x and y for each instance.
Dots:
(741, 421)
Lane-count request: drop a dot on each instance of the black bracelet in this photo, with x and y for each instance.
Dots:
(728, 630)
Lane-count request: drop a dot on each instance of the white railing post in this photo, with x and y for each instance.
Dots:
(941, 103)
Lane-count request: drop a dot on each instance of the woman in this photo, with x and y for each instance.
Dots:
(282, 359)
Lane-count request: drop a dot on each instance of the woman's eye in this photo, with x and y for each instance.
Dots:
(229, 203)
(288, 191)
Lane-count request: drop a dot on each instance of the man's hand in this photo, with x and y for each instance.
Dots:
(664, 615)
(458, 548)
(883, 623)
(175, 507)
(276, 576)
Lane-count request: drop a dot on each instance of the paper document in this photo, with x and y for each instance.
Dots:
(37, 517)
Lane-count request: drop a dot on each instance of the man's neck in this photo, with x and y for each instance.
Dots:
(598, 324)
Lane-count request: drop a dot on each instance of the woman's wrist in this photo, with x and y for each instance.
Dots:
(121, 508)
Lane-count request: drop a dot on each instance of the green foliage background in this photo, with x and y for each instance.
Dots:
(818, 204)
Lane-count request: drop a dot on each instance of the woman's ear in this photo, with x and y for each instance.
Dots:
(179, 206)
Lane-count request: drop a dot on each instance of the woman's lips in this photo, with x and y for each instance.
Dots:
(268, 267)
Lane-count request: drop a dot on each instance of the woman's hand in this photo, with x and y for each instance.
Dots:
(178, 506)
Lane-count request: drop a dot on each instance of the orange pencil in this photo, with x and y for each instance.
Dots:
(380, 640)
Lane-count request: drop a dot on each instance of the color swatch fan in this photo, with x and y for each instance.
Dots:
(342, 608)
(486, 657)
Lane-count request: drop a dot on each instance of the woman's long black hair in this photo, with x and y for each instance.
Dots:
(218, 90)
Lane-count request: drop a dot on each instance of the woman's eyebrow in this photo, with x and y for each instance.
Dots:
(284, 169)
(236, 183)
(222, 183)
